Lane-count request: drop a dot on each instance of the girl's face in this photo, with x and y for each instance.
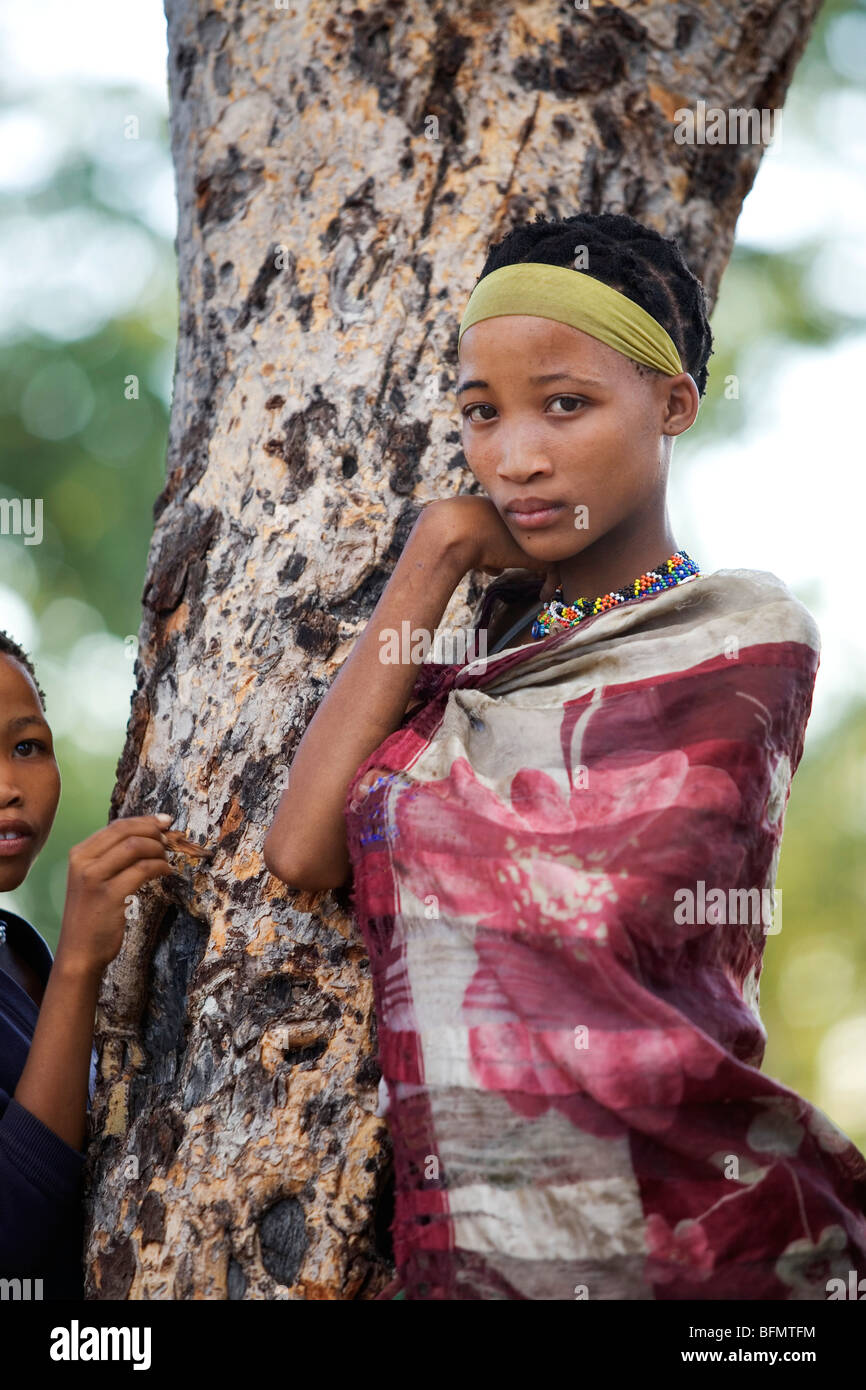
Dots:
(29, 776)
(589, 435)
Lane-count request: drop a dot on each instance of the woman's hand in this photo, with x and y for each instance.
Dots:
(488, 544)
(103, 872)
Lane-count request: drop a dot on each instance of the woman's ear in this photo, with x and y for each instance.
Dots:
(683, 404)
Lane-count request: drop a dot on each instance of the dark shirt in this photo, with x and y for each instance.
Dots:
(41, 1218)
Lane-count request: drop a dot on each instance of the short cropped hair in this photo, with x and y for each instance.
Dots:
(630, 257)
(9, 647)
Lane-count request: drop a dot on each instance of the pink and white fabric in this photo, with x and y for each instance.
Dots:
(572, 1055)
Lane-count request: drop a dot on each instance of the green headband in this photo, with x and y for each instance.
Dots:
(575, 298)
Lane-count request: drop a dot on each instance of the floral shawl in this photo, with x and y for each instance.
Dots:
(553, 886)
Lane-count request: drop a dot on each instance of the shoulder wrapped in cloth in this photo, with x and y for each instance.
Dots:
(567, 1004)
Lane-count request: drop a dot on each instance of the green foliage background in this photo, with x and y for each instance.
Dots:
(97, 460)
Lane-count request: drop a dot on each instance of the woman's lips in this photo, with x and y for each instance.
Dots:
(17, 844)
(533, 521)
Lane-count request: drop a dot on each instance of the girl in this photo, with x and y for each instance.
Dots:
(47, 1008)
(564, 852)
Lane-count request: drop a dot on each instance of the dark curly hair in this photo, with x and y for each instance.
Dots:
(630, 257)
(8, 647)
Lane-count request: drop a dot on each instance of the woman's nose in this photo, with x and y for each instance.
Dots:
(10, 791)
(523, 457)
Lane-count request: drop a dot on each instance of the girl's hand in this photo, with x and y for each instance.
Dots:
(488, 544)
(103, 871)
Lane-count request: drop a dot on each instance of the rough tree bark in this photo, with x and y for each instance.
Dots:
(340, 171)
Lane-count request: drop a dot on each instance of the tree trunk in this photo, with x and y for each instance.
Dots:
(340, 171)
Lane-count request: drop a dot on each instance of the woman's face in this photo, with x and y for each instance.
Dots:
(589, 436)
(29, 776)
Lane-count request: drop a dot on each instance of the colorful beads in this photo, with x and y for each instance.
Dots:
(558, 616)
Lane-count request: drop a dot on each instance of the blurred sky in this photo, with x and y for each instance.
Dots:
(788, 496)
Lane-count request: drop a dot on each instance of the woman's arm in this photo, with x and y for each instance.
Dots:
(306, 845)
(53, 1085)
(103, 872)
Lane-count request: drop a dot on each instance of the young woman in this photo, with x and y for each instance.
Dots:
(47, 1007)
(558, 849)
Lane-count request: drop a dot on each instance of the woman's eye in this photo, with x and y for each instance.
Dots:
(29, 744)
(480, 405)
(576, 403)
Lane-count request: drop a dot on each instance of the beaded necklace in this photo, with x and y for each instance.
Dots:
(557, 615)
